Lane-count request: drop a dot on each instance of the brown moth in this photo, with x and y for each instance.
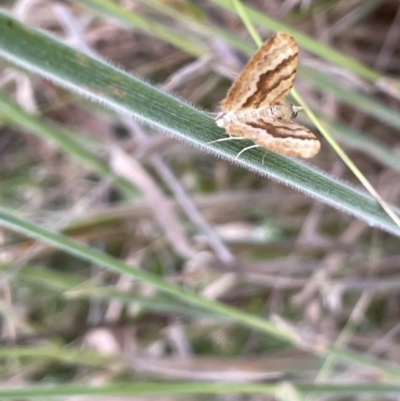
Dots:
(256, 107)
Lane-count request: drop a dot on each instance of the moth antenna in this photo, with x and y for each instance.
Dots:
(213, 113)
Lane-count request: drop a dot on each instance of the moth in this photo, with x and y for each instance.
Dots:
(256, 107)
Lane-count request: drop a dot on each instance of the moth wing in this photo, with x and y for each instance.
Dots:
(268, 76)
(282, 136)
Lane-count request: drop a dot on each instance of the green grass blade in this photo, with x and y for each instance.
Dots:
(117, 12)
(191, 44)
(174, 388)
(317, 78)
(190, 298)
(360, 101)
(104, 83)
(307, 42)
(96, 257)
(65, 141)
(370, 146)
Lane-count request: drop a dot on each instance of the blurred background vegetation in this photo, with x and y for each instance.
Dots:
(326, 283)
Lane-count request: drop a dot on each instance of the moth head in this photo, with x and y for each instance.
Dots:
(220, 120)
(295, 110)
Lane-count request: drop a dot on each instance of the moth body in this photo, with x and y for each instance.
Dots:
(283, 111)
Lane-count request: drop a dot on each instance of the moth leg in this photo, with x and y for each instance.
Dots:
(244, 150)
(262, 160)
(229, 138)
